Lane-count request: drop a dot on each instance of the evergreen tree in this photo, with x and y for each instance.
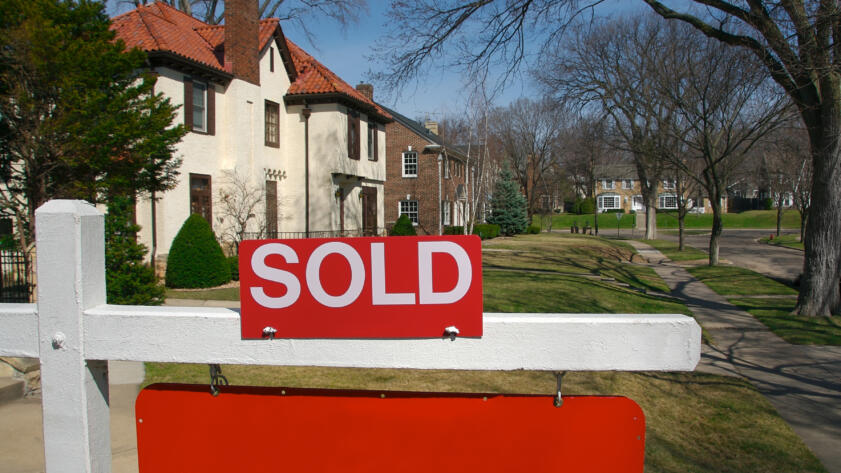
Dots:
(403, 227)
(78, 116)
(128, 279)
(508, 206)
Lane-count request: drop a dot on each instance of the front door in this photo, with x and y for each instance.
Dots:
(369, 211)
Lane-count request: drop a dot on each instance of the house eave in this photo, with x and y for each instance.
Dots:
(189, 66)
(335, 97)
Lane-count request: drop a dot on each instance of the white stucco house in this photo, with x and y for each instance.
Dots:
(257, 104)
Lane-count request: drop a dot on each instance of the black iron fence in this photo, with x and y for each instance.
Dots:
(381, 231)
(16, 284)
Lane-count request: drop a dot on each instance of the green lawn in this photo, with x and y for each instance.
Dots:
(670, 250)
(787, 240)
(736, 281)
(694, 422)
(223, 294)
(776, 315)
(669, 220)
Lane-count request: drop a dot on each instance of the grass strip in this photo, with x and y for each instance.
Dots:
(670, 250)
(776, 315)
(736, 281)
(786, 240)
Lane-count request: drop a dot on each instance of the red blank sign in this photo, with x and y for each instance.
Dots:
(182, 428)
(397, 287)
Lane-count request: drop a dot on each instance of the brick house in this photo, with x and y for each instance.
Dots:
(257, 104)
(426, 178)
(618, 187)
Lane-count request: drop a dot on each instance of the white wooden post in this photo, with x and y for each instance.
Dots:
(74, 332)
(71, 279)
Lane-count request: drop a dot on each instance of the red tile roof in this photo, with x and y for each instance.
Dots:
(160, 27)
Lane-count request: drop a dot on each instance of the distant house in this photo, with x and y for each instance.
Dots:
(258, 104)
(618, 188)
(427, 178)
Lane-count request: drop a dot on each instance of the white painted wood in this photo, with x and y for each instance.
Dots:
(19, 330)
(566, 342)
(71, 278)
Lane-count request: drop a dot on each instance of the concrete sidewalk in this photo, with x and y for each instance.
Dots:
(802, 382)
(21, 429)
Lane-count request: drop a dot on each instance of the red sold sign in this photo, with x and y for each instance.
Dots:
(395, 287)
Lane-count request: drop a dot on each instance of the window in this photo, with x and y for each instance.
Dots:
(609, 202)
(271, 209)
(410, 164)
(667, 201)
(200, 196)
(446, 168)
(627, 183)
(669, 184)
(608, 184)
(445, 213)
(410, 209)
(199, 107)
(353, 135)
(271, 59)
(372, 142)
(272, 124)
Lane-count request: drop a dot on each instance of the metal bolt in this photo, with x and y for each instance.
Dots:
(269, 332)
(58, 340)
(451, 332)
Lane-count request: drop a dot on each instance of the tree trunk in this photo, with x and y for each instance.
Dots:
(650, 216)
(715, 236)
(681, 224)
(819, 294)
(779, 214)
(803, 218)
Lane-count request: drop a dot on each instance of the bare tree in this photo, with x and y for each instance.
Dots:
(239, 202)
(298, 12)
(797, 41)
(529, 133)
(609, 66)
(784, 159)
(726, 105)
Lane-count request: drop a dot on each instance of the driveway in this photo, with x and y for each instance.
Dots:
(741, 248)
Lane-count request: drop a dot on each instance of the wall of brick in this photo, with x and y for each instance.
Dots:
(423, 188)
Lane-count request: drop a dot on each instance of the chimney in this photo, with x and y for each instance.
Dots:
(367, 90)
(431, 126)
(242, 26)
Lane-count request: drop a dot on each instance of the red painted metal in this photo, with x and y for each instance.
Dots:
(183, 428)
(309, 318)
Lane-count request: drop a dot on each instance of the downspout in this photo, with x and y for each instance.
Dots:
(440, 227)
(154, 232)
(306, 113)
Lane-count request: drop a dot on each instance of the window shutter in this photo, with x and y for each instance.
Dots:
(211, 109)
(188, 103)
(349, 135)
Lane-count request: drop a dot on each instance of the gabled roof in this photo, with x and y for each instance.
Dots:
(160, 29)
(420, 130)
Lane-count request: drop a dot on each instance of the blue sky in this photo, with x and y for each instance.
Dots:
(344, 52)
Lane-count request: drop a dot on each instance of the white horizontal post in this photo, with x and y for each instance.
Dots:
(569, 342)
(19, 330)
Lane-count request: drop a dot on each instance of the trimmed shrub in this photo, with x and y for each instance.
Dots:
(584, 206)
(486, 231)
(195, 258)
(233, 263)
(128, 279)
(533, 229)
(768, 203)
(403, 227)
(454, 230)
